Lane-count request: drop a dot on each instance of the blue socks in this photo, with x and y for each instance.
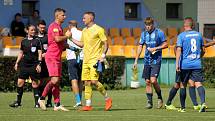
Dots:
(201, 92)
(172, 94)
(182, 97)
(192, 91)
(149, 97)
(77, 98)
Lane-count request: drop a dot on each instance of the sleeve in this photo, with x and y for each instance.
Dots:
(162, 36)
(54, 30)
(21, 46)
(179, 41)
(39, 45)
(102, 35)
(142, 39)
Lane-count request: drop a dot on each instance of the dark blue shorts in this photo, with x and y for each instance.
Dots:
(195, 75)
(177, 77)
(151, 71)
(74, 69)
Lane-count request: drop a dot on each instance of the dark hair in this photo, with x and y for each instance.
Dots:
(17, 14)
(91, 13)
(37, 11)
(28, 26)
(41, 22)
(59, 10)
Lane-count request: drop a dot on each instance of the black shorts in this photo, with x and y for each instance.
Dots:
(44, 71)
(178, 77)
(28, 71)
(74, 69)
(195, 75)
(151, 71)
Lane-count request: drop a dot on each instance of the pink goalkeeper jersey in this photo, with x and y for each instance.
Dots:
(54, 48)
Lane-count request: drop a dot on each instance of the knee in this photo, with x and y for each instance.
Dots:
(198, 84)
(35, 84)
(148, 83)
(177, 86)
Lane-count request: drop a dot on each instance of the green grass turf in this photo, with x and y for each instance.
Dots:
(128, 105)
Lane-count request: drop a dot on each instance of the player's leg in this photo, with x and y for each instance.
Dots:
(35, 84)
(73, 76)
(173, 92)
(192, 93)
(149, 94)
(155, 69)
(94, 76)
(182, 96)
(197, 75)
(185, 76)
(20, 84)
(88, 89)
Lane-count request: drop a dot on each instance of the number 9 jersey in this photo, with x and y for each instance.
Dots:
(191, 43)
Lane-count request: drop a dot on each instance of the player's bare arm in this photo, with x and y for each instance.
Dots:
(139, 50)
(178, 54)
(20, 55)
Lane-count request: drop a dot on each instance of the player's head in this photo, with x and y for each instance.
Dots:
(73, 23)
(88, 17)
(188, 23)
(59, 15)
(30, 30)
(149, 23)
(41, 26)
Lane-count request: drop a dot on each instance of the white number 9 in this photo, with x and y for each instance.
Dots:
(193, 45)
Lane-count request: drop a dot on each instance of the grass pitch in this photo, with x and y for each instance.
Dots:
(128, 105)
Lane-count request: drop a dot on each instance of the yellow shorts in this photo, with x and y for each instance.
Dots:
(89, 72)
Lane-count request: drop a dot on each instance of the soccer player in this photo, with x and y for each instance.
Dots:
(74, 58)
(190, 48)
(29, 64)
(56, 40)
(44, 75)
(95, 46)
(155, 41)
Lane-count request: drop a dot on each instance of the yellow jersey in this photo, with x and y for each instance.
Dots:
(93, 39)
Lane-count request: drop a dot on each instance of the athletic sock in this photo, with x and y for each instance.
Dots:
(77, 98)
(182, 97)
(101, 89)
(49, 101)
(149, 97)
(19, 94)
(172, 94)
(159, 94)
(36, 95)
(201, 91)
(47, 89)
(88, 95)
(192, 92)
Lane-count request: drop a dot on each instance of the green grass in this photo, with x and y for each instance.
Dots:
(128, 105)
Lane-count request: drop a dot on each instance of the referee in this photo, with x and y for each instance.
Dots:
(44, 75)
(29, 64)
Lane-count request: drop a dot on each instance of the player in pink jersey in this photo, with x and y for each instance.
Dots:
(56, 40)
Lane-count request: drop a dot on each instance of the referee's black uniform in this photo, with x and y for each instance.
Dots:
(44, 46)
(30, 60)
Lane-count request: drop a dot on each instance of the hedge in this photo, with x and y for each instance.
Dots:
(110, 78)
